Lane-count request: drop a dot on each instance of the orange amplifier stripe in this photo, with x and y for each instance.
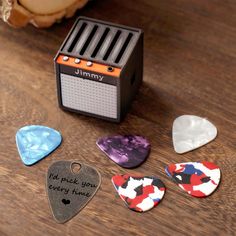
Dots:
(99, 68)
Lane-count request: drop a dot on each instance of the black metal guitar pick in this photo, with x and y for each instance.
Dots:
(69, 190)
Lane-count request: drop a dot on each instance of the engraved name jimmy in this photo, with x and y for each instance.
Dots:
(89, 75)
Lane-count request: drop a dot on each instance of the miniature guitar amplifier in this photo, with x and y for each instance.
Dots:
(99, 68)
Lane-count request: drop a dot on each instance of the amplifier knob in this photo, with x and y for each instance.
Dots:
(89, 63)
(65, 58)
(77, 60)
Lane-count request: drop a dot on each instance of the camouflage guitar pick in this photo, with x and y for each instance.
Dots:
(198, 179)
(140, 193)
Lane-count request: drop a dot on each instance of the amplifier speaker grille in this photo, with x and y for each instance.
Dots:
(89, 96)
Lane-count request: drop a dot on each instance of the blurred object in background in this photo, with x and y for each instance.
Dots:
(40, 13)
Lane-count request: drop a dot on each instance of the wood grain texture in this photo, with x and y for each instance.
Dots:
(189, 68)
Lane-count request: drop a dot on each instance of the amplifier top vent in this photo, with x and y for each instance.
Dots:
(100, 41)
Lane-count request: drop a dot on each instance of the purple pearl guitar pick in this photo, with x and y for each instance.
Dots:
(128, 151)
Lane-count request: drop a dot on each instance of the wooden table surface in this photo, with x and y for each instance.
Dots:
(189, 68)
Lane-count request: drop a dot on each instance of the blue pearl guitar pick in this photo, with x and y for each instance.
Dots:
(35, 142)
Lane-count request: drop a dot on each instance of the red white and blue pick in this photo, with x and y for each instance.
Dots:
(140, 193)
(128, 151)
(199, 179)
(35, 142)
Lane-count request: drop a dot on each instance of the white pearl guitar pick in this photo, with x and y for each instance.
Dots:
(191, 132)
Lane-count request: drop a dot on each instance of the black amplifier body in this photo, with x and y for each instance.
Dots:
(99, 68)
